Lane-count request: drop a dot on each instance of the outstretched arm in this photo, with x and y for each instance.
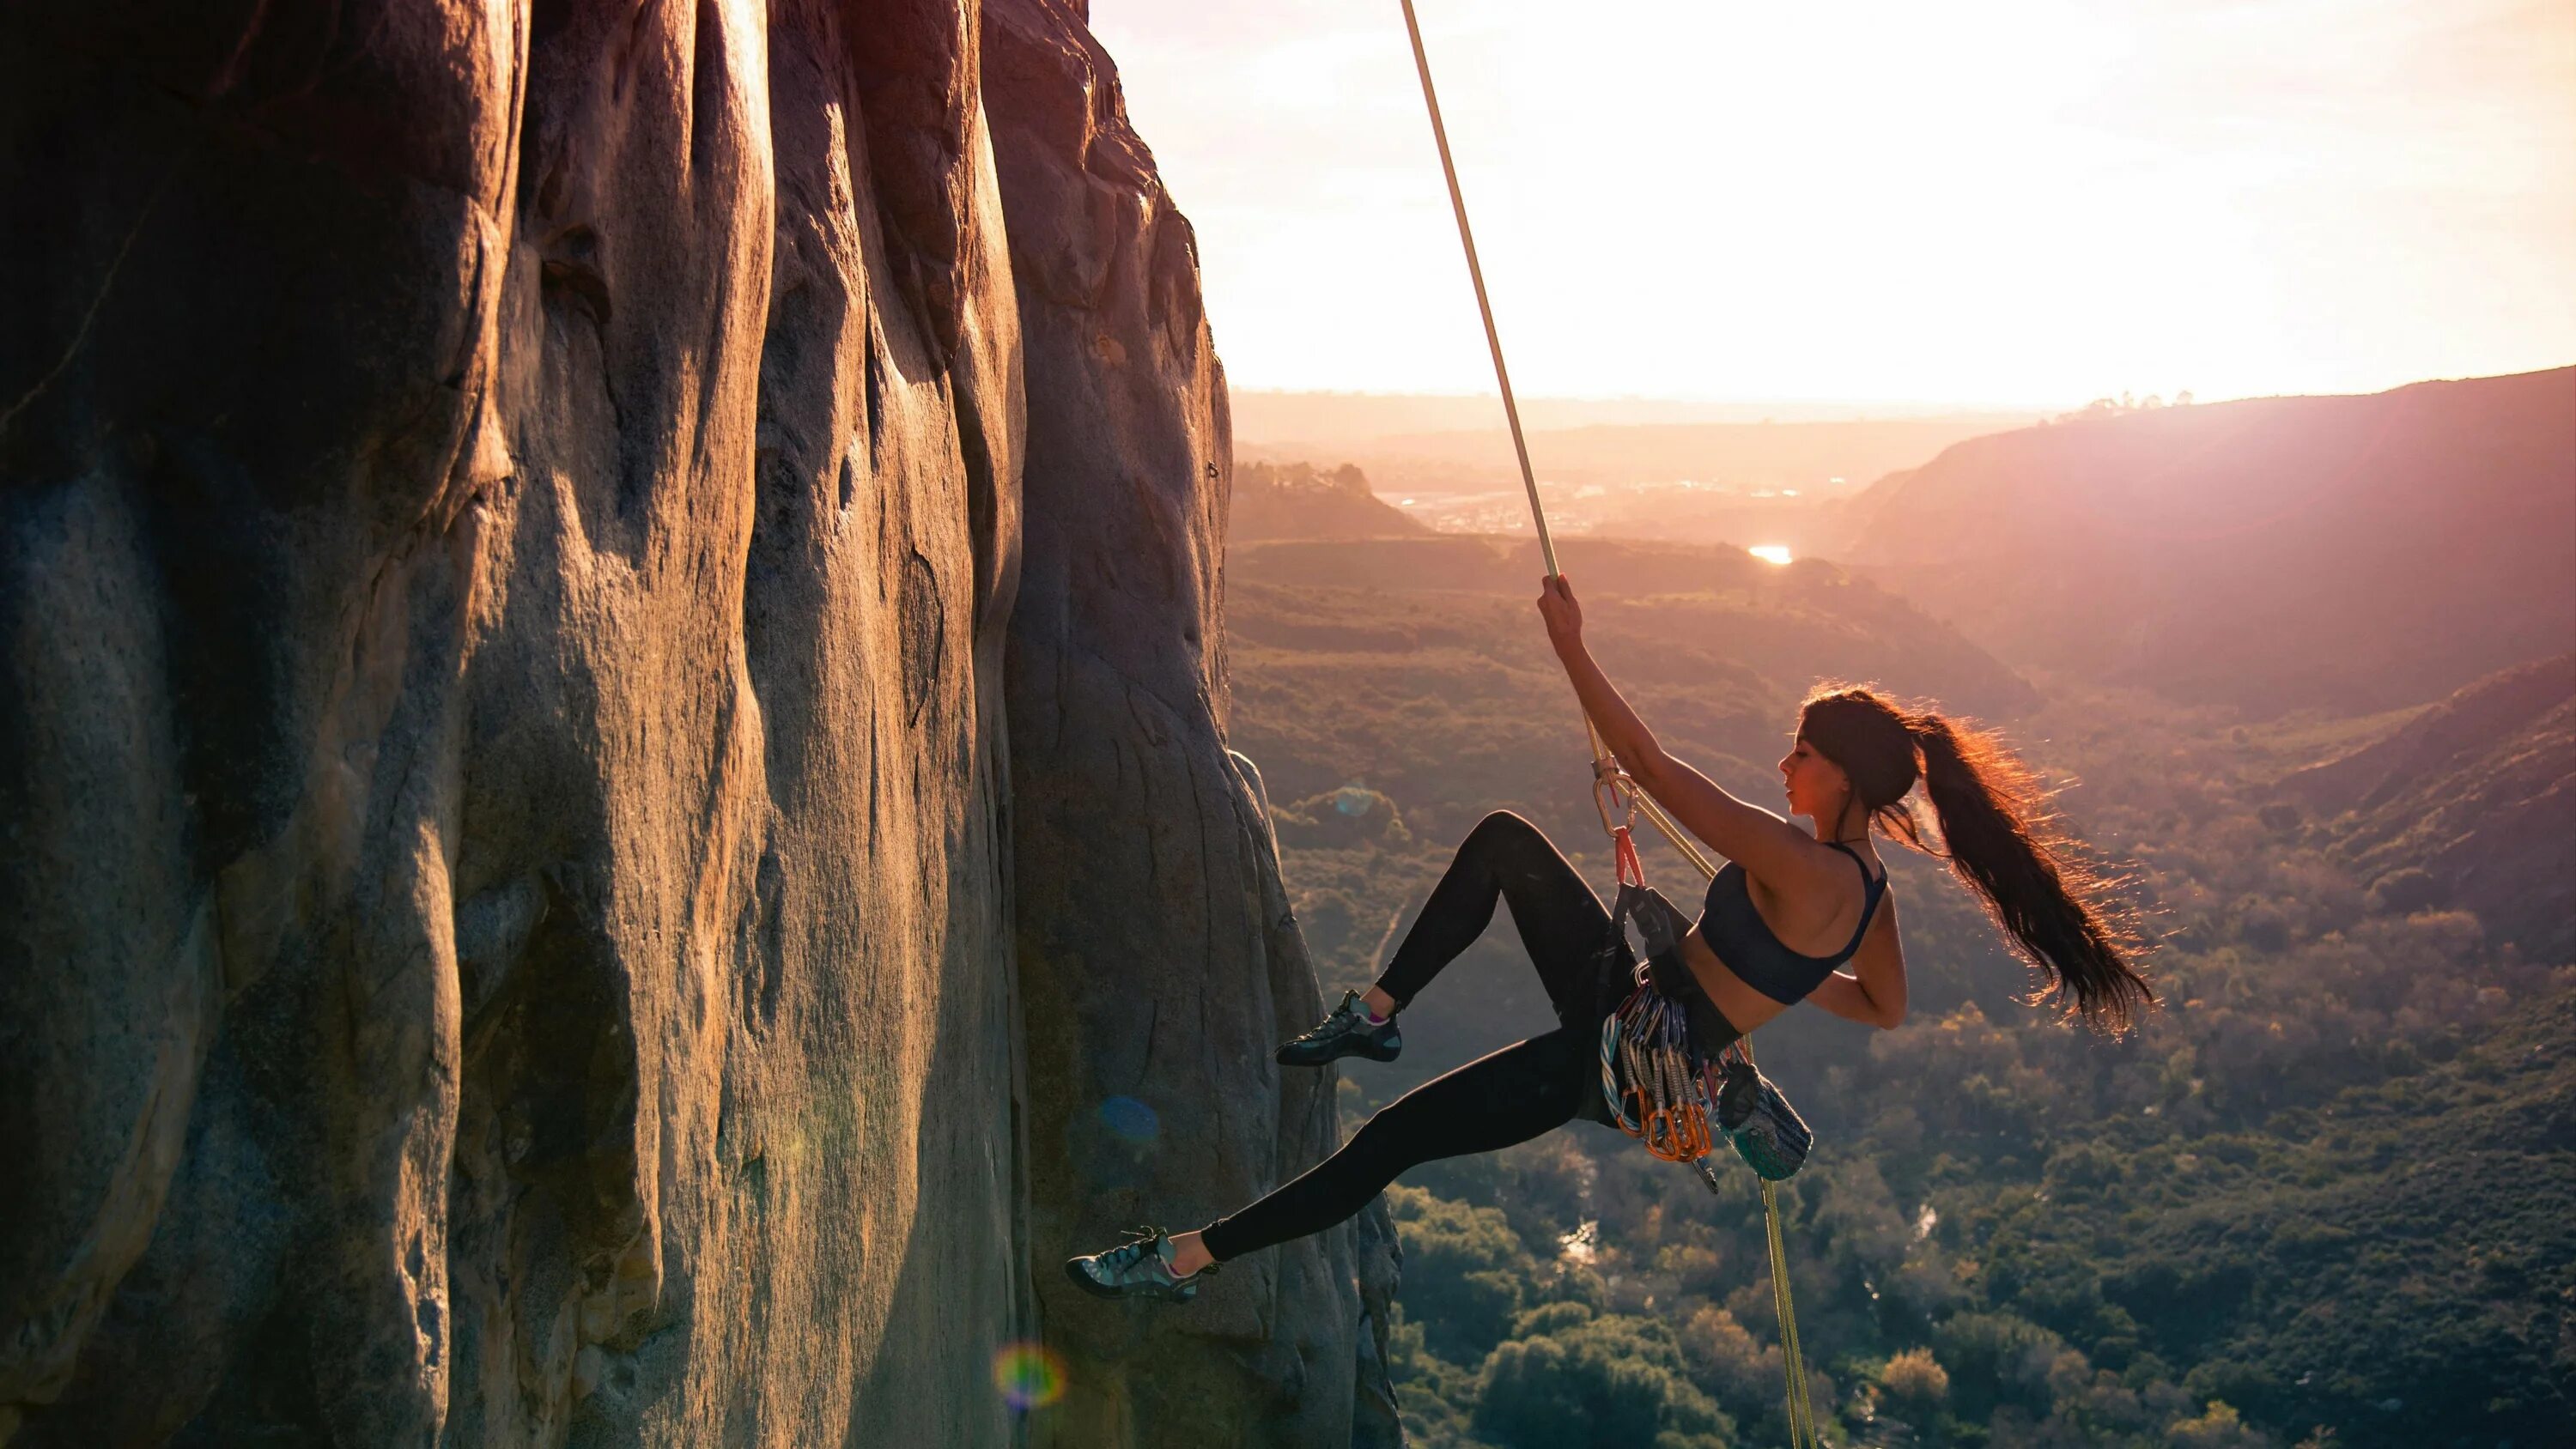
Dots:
(1775, 851)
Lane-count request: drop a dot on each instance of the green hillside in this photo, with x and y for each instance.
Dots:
(2468, 804)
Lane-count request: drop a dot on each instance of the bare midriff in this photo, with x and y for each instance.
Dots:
(1745, 1007)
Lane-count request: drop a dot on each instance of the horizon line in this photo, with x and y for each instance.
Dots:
(1494, 395)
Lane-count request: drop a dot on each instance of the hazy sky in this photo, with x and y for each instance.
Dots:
(1993, 200)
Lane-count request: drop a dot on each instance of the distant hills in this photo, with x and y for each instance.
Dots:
(1821, 458)
(1744, 473)
(1267, 415)
(1299, 500)
(2471, 804)
(2355, 553)
(1825, 457)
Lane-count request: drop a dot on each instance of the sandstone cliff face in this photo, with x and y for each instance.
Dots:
(509, 520)
(1158, 958)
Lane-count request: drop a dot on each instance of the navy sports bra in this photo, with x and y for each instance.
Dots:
(1736, 931)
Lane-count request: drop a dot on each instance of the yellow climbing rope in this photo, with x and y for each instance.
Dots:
(1611, 784)
(1793, 1360)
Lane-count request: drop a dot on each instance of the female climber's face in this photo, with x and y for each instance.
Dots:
(1816, 786)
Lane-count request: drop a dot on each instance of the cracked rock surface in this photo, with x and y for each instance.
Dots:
(518, 753)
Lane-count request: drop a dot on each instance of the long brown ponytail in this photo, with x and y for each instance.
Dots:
(1996, 837)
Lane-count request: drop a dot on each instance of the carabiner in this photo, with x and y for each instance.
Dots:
(1623, 857)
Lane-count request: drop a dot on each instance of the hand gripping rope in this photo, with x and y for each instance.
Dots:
(1672, 1102)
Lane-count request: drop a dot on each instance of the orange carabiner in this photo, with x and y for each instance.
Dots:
(1656, 1124)
(1671, 1138)
(1623, 857)
(1695, 1141)
(1645, 1113)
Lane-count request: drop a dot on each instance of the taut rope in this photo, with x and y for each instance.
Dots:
(1610, 782)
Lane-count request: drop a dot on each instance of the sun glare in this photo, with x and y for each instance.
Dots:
(2016, 200)
(1028, 1376)
(1777, 553)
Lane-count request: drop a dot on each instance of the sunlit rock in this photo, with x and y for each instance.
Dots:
(510, 525)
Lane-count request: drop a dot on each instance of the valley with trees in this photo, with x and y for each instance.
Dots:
(2326, 1195)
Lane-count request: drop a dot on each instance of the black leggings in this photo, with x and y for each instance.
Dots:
(1511, 1096)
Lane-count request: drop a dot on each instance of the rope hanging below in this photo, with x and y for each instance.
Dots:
(1611, 784)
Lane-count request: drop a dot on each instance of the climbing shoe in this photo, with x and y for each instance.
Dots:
(1345, 1033)
(1138, 1267)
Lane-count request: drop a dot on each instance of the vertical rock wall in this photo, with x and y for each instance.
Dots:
(507, 518)
(510, 517)
(1158, 959)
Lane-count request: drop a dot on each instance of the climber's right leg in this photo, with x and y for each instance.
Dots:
(1489, 1104)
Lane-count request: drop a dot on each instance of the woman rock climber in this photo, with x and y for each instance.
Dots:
(1793, 916)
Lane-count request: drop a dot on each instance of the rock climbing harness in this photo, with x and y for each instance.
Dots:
(1661, 1095)
(1660, 1084)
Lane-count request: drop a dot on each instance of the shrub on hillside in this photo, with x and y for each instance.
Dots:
(1995, 1360)
(1436, 1396)
(1465, 1273)
(1914, 1383)
(1571, 1380)
(2404, 892)
(1740, 1370)
(2217, 1428)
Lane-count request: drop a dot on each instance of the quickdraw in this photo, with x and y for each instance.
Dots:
(1653, 1080)
(1657, 1086)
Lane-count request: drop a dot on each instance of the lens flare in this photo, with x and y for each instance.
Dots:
(1028, 1376)
(1129, 1120)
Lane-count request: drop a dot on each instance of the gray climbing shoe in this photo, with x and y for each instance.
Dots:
(1345, 1033)
(1138, 1267)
